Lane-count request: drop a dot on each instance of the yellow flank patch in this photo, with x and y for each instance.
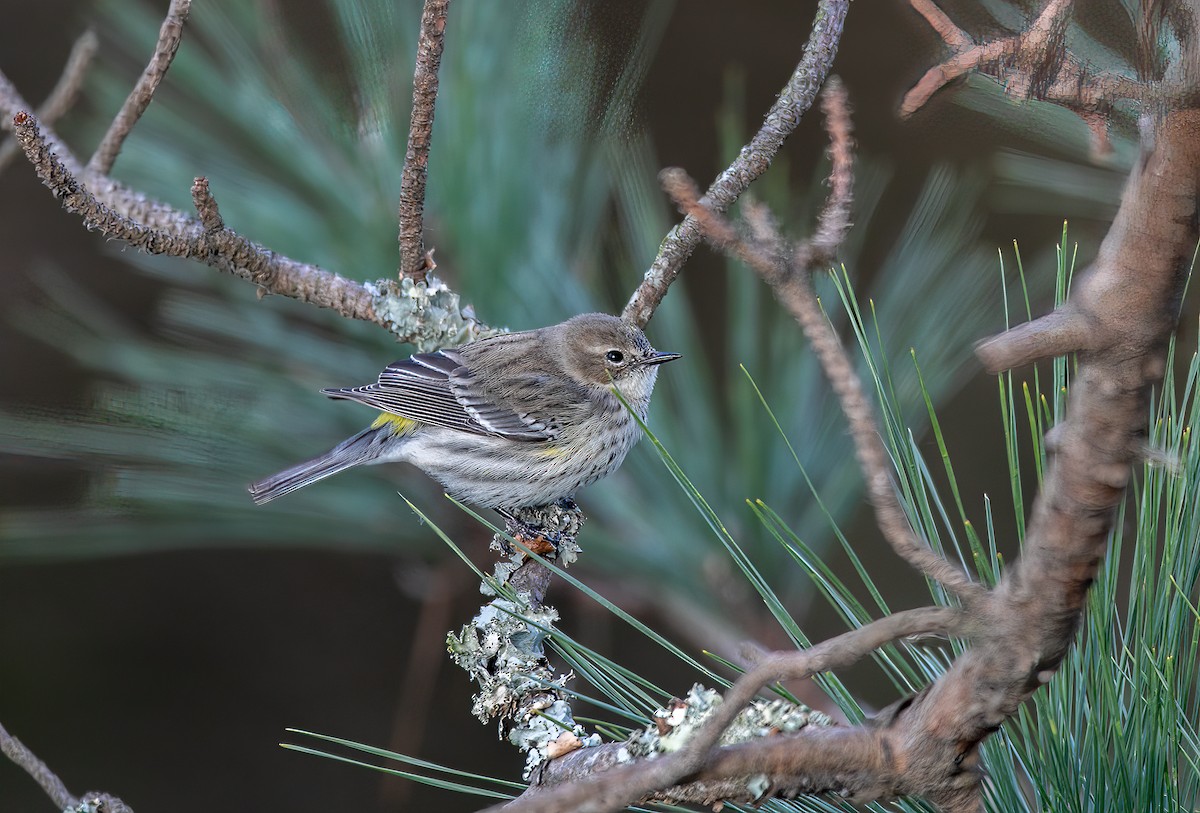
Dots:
(400, 425)
(552, 451)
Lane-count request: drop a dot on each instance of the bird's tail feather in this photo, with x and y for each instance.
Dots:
(362, 448)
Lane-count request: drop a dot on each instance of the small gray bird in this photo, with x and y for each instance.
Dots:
(513, 421)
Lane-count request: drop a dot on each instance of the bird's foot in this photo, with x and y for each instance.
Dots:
(543, 529)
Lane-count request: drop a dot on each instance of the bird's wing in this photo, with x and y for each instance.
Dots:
(439, 389)
(515, 416)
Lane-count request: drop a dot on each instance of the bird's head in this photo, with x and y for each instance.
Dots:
(602, 351)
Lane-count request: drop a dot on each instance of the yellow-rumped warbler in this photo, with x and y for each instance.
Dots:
(513, 421)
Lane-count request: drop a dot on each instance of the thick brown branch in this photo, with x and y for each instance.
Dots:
(1056, 334)
(65, 91)
(582, 790)
(795, 99)
(1128, 301)
(414, 263)
(139, 98)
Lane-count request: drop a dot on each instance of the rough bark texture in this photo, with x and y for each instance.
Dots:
(413, 261)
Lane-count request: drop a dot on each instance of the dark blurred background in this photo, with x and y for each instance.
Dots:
(157, 636)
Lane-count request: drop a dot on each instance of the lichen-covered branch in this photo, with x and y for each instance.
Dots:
(169, 37)
(503, 648)
(795, 99)
(414, 262)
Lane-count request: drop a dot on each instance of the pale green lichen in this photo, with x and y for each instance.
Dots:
(503, 650)
(426, 314)
(676, 723)
(559, 523)
(542, 728)
(758, 784)
(505, 656)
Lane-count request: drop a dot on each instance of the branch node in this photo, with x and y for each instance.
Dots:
(206, 206)
(1058, 333)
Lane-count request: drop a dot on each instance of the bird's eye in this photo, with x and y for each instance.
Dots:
(615, 356)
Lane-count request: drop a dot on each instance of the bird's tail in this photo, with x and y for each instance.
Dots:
(362, 448)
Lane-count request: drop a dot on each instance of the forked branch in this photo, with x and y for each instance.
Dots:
(1033, 63)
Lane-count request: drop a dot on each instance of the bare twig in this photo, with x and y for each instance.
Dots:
(65, 91)
(206, 206)
(63, 96)
(414, 262)
(795, 99)
(950, 33)
(834, 220)
(139, 98)
(25, 759)
(789, 276)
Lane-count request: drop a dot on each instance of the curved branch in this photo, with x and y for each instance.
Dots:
(834, 221)
(795, 99)
(23, 758)
(169, 36)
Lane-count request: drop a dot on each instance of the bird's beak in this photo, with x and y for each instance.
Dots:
(660, 358)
